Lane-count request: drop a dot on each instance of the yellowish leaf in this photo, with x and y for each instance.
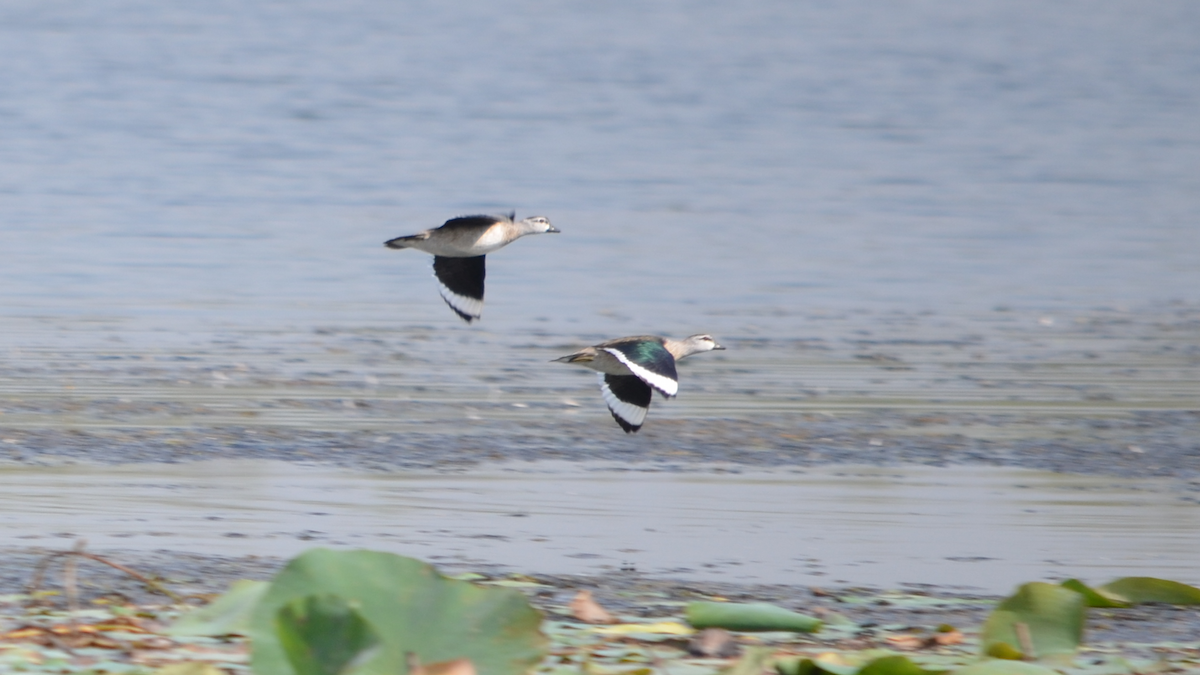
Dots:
(659, 628)
(832, 659)
(191, 668)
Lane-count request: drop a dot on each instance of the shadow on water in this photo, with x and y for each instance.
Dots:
(978, 527)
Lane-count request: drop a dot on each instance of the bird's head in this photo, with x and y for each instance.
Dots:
(538, 225)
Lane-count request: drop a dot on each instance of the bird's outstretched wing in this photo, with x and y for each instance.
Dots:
(650, 361)
(628, 399)
(460, 281)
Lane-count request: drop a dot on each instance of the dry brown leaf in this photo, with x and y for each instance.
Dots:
(910, 642)
(907, 642)
(713, 642)
(585, 608)
(153, 642)
(63, 629)
(59, 636)
(82, 640)
(952, 637)
(125, 624)
(453, 667)
(23, 633)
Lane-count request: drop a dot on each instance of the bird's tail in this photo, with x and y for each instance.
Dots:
(405, 242)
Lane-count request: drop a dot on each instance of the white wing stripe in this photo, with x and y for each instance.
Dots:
(662, 383)
(633, 414)
(468, 306)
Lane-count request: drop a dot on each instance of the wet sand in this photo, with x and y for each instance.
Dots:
(1101, 391)
(1110, 394)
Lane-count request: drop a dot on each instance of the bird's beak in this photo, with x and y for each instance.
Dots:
(553, 229)
(717, 346)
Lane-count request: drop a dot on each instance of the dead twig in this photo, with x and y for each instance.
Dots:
(1026, 640)
(59, 644)
(70, 579)
(35, 583)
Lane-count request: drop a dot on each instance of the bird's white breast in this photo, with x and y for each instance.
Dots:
(492, 238)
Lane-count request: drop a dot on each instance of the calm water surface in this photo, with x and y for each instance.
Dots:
(240, 163)
(213, 181)
(984, 529)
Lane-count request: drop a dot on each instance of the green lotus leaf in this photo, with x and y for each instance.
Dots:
(227, 615)
(412, 608)
(895, 665)
(797, 666)
(1137, 590)
(324, 635)
(1091, 596)
(1053, 617)
(749, 617)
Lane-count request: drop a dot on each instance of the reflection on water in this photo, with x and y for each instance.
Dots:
(979, 527)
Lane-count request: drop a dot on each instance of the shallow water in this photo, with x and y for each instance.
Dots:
(980, 527)
(959, 208)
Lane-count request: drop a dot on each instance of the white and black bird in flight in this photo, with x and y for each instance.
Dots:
(631, 367)
(459, 247)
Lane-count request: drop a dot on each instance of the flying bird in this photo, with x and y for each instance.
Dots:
(459, 247)
(630, 367)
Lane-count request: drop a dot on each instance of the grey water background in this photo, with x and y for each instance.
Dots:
(710, 164)
(861, 199)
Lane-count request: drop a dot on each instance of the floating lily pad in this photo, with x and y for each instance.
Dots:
(749, 617)
(1053, 617)
(227, 615)
(324, 635)
(412, 607)
(1091, 596)
(895, 665)
(1137, 590)
(797, 666)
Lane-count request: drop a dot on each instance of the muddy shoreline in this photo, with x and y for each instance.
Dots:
(1136, 444)
(1097, 395)
(1135, 632)
(1159, 443)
